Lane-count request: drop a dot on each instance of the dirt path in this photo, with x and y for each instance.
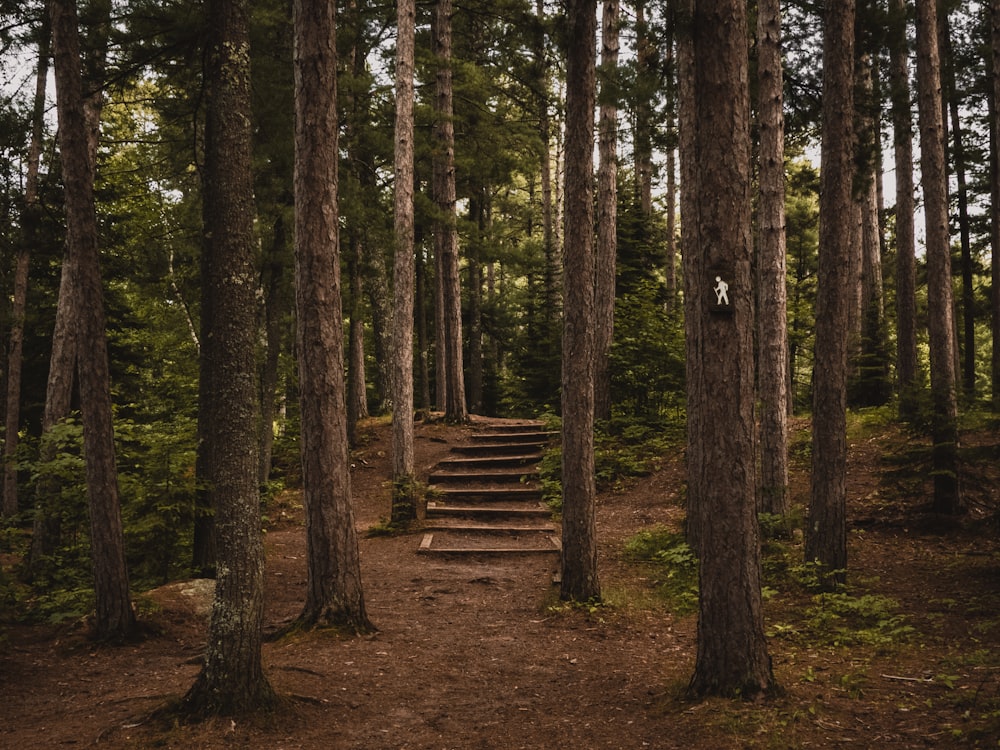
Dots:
(477, 653)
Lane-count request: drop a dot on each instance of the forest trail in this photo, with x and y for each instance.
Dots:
(485, 498)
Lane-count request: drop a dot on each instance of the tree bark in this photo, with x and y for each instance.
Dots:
(275, 312)
(607, 212)
(579, 555)
(732, 657)
(826, 538)
(940, 325)
(772, 330)
(446, 237)
(114, 619)
(334, 594)
(955, 133)
(995, 202)
(902, 125)
(404, 502)
(232, 679)
(645, 76)
(29, 231)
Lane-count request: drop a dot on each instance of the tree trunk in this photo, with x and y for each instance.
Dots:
(404, 501)
(579, 556)
(477, 217)
(954, 133)
(607, 213)
(29, 230)
(274, 317)
(334, 595)
(870, 384)
(357, 392)
(902, 125)
(232, 679)
(732, 657)
(645, 76)
(446, 240)
(115, 619)
(772, 330)
(940, 320)
(826, 538)
(995, 202)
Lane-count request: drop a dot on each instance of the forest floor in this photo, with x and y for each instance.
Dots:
(479, 653)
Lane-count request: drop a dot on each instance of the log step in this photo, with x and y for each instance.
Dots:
(553, 544)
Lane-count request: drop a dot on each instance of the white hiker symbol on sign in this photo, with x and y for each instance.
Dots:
(721, 292)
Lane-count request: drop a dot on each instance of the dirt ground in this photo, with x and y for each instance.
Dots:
(478, 653)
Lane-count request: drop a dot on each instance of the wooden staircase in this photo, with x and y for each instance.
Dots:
(486, 499)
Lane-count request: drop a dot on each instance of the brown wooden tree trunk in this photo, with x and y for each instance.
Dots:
(607, 213)
(772, 376)
(357, 391)
(579, 534)
(826, 538)
(115, 619)
(645, 74)
(334, 594)
(902, 125)
(446, 239)
(955, 133)
(275, 313)
(940, 316)
(232, 679)
(19, 304)
(404, 501)
(995, 202)
(732, 657)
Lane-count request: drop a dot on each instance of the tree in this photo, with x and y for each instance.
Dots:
(826, 540)
(940, 317)
(607, 211)
(232, 679)
(772, 372)
(995, 202)
(446, 235)
(732, 654)
(29, 225)
(115, 619)
(579, 558)
(902, 126)
(403, 498)
(334, 593)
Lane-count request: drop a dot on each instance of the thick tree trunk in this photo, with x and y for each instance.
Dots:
(826, 538)
(446, 240)
(902, 125)
(772, 329)
(404, 502)
(940, 316)
(732, 657)
(115, 619)
(232, 679)
(607, 213)
(579, 556)
(334, 594)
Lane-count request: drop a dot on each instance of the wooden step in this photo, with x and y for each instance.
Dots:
(509, 477)
(501, 448)
(470, 527)
(519, 493)
(511, 437)
(435, 510)
(552, 544)
(486, 462)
